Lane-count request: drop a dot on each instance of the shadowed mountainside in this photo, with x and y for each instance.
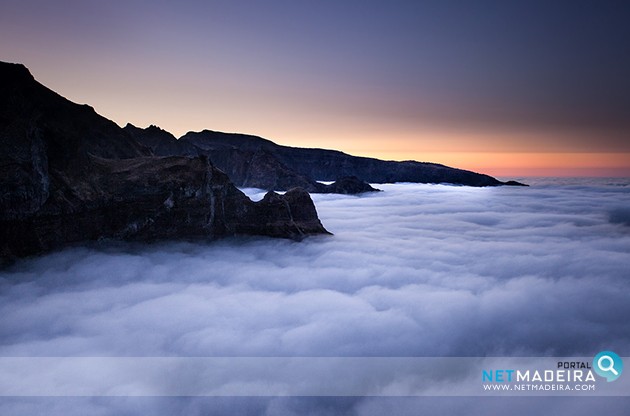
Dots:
(69, 175)
(251, 166)
(251, 161)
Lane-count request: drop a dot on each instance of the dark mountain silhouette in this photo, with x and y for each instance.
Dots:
(161, 142)
(247, 166)
(69, 175)
(257, 162)
(252, 161)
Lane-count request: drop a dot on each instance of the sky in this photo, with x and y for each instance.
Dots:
(502, 272)
(509, 88)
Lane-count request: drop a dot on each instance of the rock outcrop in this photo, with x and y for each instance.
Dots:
(69, 175)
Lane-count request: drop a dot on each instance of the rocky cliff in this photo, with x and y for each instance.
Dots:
(69, 175)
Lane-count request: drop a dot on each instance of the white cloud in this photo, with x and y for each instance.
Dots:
(417, 270)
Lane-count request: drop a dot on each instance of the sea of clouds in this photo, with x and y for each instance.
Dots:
(414, 271)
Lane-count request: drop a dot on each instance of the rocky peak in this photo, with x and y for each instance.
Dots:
(68, 175)
(14, 73)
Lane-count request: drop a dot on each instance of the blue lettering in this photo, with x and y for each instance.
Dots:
(509, 373)
(499, 376)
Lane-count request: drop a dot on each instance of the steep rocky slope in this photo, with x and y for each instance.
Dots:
(69, 175)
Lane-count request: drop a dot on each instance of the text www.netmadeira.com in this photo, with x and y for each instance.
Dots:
(539, 387)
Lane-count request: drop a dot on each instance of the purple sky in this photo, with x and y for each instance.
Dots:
(533, 83)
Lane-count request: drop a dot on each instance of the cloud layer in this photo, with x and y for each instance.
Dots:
(417, 270)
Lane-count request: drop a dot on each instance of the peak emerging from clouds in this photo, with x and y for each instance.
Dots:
(70, 175)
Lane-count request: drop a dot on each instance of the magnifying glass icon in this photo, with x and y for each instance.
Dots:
(609, 367)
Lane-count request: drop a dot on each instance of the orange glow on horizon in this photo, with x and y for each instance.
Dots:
(320, 123)
(525, 164)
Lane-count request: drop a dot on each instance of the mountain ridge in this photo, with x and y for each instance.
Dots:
(254, 161)
(69, 175)
(229, 149)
